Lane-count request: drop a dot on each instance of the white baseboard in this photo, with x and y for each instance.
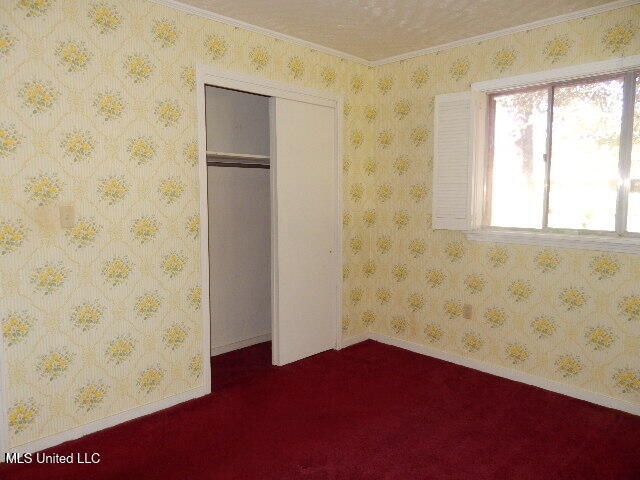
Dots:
(511, 374)
(141, 411)
(229, 347)
(347, 342)
(500, 371)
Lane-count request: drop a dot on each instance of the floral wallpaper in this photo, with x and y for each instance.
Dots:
(568, 316)
(98, 110)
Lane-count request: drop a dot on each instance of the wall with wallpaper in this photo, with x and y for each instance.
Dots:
(98, 109)
(565, 315)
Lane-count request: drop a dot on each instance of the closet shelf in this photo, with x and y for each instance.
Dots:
(236, 156)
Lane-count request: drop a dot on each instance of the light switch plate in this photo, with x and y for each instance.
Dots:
(67, 215)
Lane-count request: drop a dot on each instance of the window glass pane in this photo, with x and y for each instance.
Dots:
(633, 220)
(585, 154)
(519, 141)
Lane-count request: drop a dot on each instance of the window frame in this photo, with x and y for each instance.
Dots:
(617, 241)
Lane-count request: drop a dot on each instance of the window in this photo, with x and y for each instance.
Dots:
(565, 156)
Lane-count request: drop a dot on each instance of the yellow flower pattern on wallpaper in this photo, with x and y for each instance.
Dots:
(175, 336)
(105, 17)
(78, 144)
(420, 76)
(547, 261)
(171, 189)
(259, 57)
(113, 188)
(216, 46)
(87, 316)
(472, 342)
(296, 67)
(368, 318)
(44, 188)
(34, 8)
(517, 353)
(120, 349)
(138, 67)
(145, 228)
(600, 337)
(147, 305)
(495, 316)
(195, 366)
(16, 327)
(83, 233)
(123, 282)
(91, 395)
(165, 32)
(385, 84)
(357, 84)
(629, 307)
(173, 263)
(10, 139)
(453, 309)
(604, 266)
(117, 270)
(328, 76)
(520, 290)
(569, 365)
(73, 56)
(7, 41)
(557, 48)
(573, 298)
(168, 112)
(459, 68)
(49, 278)
(22, 415)
(109, 104)
(54, 364)
(150, 378)
(12, 236)
(141, 149)
(543, 326)
(38, 96)
(503, 59)
(619, 36)
(433, 332)
(497, 256)
(188, 77)
(194, 297)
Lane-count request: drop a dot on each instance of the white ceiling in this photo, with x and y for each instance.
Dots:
(378, 29)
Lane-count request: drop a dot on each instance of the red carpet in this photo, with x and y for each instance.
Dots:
(367, 412)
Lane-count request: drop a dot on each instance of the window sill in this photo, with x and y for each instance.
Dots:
(605, 243)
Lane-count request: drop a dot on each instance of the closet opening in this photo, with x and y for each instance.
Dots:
(270, 218)
(239, 210)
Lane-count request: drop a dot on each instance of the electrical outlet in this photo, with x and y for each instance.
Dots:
(467, 311)
(67, 215)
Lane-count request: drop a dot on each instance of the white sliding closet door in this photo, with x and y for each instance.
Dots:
(305, 240)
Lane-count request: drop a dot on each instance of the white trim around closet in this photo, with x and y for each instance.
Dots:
(219, 77)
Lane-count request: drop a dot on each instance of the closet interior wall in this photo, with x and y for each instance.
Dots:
(238, 146)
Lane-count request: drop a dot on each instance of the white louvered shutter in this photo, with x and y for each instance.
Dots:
(457, 170)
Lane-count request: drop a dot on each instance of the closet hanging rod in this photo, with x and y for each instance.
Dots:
(236, 164)
(239, 156)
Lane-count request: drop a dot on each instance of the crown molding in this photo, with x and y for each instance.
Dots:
(587, 12)
(262, 31)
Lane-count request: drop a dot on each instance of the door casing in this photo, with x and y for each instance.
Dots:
(219, 77)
